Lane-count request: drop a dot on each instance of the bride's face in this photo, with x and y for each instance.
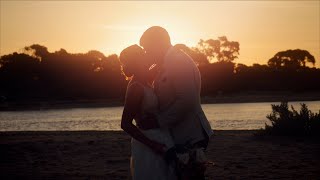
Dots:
(143, 64)
(137, 66)
(149, 58)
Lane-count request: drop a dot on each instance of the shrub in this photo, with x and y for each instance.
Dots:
(291, 122)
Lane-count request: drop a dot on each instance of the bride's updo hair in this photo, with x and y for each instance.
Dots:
(131, 59)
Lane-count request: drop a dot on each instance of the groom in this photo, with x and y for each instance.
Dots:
(177, 86)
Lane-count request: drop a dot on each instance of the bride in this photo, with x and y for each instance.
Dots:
(148, 147)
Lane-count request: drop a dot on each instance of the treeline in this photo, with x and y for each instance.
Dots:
(37, 74)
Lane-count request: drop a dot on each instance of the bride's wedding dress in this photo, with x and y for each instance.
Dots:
(145, 164)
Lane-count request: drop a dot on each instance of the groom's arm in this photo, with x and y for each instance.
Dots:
(184, 87)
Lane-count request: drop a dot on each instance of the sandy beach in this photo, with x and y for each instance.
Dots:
(105, 155)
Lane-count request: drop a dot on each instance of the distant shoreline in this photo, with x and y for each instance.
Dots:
(249, 97)
(255, 97)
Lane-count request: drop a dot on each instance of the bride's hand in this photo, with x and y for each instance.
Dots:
(158, 148)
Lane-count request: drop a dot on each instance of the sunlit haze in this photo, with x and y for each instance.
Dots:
(262, 28)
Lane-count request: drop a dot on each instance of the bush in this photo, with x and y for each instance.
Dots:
(291, 122)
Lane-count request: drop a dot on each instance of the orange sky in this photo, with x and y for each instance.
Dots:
(262, 28)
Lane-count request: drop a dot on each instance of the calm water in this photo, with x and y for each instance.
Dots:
(221, 116)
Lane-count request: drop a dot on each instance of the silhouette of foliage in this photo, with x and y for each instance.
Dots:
(221, 49)
(291, 122)
(291, 59)
(37, 74)
(37, 50)
(60, 75)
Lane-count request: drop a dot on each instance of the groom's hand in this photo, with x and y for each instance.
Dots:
(149, 121)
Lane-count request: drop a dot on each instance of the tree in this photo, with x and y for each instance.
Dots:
(19, 73)
(221, 49)
(291, 59)
(241, 68)
(37, 50)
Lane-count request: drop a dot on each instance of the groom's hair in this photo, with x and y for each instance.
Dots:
(155, 35)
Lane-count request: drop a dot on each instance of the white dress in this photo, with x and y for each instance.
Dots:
(145, 164)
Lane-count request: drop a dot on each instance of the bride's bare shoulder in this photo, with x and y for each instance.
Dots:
(134, 89)
(134, 86)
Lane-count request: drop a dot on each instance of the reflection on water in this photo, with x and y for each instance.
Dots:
(233, 116)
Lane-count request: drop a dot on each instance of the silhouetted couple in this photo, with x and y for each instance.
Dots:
(171, 131)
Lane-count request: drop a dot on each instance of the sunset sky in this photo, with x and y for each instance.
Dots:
(262, 28)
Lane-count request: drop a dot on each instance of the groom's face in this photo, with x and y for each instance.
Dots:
(153, 53)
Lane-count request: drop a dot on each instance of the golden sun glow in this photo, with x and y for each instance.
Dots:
(131, 32)
(262, 28)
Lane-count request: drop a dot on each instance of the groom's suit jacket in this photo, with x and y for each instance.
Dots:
(178, 86)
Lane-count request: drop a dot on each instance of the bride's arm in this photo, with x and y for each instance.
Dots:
(132, 106)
